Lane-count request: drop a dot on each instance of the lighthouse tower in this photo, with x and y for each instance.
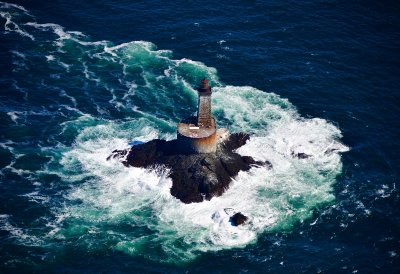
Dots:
(204, 117)
(198, 134)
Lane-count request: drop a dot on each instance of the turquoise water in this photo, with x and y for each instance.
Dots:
(68, 100)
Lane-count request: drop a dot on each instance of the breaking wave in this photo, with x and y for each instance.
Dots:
(106, 95)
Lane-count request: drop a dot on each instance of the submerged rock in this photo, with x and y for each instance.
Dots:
(195, 177)
(117, 154)
(238, 219)
(301, 155)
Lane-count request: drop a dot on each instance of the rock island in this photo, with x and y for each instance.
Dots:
(202, 158)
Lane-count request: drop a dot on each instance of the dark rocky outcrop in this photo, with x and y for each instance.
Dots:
(195, 177)
(238, 219)
(300, 155)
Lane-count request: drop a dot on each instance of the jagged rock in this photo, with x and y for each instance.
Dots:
(238, 219)
(117, 154)
(301, 155)
(195, 177)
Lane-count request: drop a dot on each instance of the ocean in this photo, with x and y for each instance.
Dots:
(315, 78)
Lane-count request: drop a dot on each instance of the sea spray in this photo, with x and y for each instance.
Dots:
(101, 96)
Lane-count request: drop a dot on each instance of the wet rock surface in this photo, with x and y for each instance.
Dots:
(195, 177)
(301, 155)
(238, 219)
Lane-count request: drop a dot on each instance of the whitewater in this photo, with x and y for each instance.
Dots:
(97, 97)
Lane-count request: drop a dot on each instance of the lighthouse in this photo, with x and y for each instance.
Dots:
(198, 134)
(204, 117)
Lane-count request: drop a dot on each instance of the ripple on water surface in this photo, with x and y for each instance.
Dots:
(134, 91)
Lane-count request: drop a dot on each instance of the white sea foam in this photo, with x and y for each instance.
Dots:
(143, 44)
(250, 110)
(11, 26)
(15, 6)
(272, 198)
(65, 35)
(89, 74)
(50, 58)
(64, 65)
(19, 54)
(19, 234)
(7, 145)
(57, 29)
(105, 195)
(36, 197)
(13, 116)
(221, 56)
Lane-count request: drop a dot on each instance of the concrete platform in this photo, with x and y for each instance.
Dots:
(188, 128)
(194, 139)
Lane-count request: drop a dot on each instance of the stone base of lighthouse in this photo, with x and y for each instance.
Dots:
(194, 139)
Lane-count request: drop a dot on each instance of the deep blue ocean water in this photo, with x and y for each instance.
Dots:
(79, 79)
